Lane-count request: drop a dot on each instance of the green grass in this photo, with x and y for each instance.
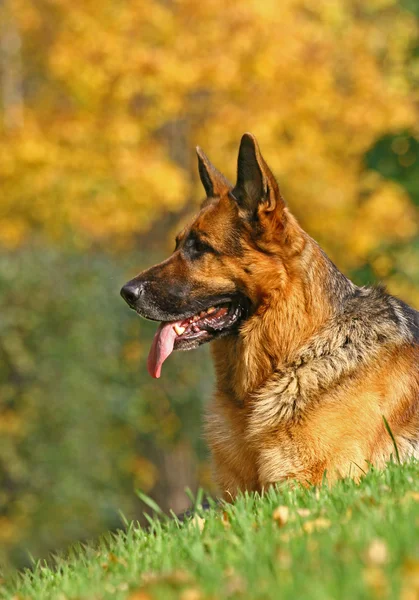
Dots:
(348, 542)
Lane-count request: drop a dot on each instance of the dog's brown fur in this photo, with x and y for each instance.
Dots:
(305, 381)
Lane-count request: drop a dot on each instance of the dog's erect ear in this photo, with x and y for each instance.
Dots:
(215, 184)
(256, 187)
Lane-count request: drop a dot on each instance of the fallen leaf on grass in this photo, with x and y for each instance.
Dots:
(411, 496)
(376, 581)
(115, 559)
(368, 499)
(140, 595)
(234, 582)
(175, 578)
(316, 525)
(198, 522)
(225, 520)
(191, 594)
(281, 515)
(303, 512)
(377, 553)
(284, 558)
(411, 569)
(410, 575)
(122, 587)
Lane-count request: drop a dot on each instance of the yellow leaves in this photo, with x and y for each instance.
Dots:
(28, 15)
(7, 530)
(382, 265)
(145, 473)
(11, 423)
(13, 232)
(114, 117)
(387, 214)
(382, 4)
(167, 182)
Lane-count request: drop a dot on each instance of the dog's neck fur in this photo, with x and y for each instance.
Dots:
(264, 344)
(266, 350)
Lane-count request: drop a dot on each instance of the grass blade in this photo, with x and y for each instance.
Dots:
(150, 502)
(390, 433)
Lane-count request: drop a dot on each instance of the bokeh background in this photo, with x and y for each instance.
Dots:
(102, 103)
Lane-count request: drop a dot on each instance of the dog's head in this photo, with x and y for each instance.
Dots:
(217, 275)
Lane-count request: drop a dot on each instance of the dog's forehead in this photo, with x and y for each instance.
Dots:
(215, 218)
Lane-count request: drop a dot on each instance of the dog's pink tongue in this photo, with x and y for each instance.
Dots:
(161, 348)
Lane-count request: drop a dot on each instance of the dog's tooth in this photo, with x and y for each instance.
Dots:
(179, 329)
(202, 313)
(211, 310)
(196, 318)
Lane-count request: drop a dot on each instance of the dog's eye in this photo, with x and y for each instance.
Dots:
(200, 246)
(196, 247)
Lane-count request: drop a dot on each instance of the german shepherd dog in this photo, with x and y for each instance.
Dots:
(314, 374)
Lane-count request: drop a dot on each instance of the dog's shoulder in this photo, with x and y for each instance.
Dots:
(411, 317)
(376, 307)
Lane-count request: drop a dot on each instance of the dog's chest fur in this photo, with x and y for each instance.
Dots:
(322, 408)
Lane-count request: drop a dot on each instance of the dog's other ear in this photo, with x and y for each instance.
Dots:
(256, 188)
(215, 184)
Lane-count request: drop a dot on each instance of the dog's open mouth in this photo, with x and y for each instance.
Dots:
(188, 333)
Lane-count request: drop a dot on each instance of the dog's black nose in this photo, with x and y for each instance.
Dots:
(130, 292)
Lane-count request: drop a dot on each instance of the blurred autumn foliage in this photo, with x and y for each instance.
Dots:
(102, 104)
